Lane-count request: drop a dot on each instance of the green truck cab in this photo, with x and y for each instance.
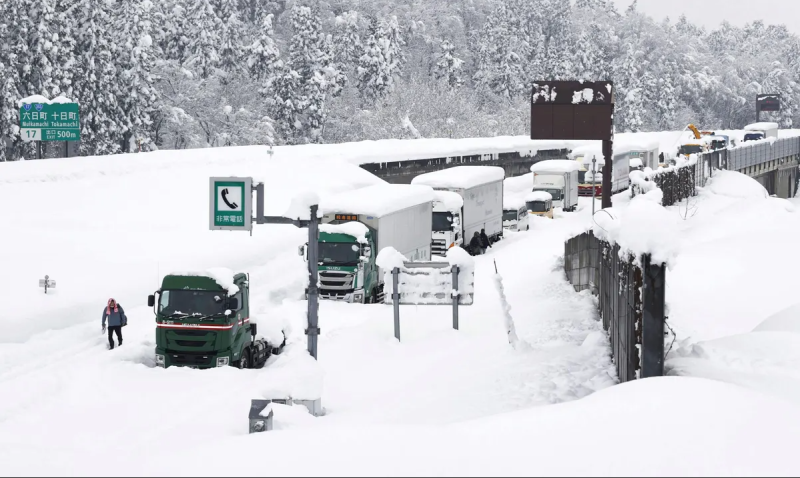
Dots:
(347, 269)
(201, 324)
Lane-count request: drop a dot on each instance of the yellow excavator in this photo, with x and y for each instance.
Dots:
(696, 146)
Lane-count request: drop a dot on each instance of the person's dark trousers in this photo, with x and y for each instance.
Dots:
(111, 330)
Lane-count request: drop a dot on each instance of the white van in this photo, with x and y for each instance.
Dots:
(515, 214)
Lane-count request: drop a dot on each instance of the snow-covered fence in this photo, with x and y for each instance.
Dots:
(631, 301)
(677, 182)
(450, 282)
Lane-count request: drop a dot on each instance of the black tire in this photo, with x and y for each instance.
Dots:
(244, 360)
(279, 350)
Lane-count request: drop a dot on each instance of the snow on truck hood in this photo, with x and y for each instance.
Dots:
(378, 200)
(462, 177)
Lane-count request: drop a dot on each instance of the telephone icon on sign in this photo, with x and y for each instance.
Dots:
(231, 205)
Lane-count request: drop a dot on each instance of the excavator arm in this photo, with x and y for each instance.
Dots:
(695, 131)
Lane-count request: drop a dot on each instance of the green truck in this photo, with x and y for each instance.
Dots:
(203, 321)
(357, 225)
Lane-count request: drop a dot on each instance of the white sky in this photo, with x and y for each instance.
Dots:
(710, 13)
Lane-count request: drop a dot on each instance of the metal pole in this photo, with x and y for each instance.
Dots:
(653, 280)
(396, 301)
(313, 291)
(455, 297)
(594, 181)
(66, 149)
(607, 172)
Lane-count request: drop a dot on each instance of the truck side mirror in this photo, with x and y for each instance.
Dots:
(151, 300)
(233, 303)
(367, 251)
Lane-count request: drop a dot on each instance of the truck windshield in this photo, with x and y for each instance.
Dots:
(556, 193)
(192, 302)
(536, 206)
(442, 221)
(339, 253)
(753, 136)
(510, 215)
(582, 177)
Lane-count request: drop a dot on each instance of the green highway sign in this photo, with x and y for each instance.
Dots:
(230, 204)
(50, 122)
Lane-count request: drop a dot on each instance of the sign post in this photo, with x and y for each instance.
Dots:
(47, 283)
(231, 209)
(576, 110)
(230, 204)
(48, 121)
(594, 181)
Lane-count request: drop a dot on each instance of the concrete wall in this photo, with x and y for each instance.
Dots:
(782, 182)
(402, 172)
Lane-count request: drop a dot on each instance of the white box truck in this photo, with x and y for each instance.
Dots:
(559, 177)
(357, 224)
(481, 190)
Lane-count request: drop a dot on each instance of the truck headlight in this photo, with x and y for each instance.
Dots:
(222, 361)
(160, 362)
(358, 297)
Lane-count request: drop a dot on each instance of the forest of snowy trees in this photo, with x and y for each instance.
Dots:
(169, 74)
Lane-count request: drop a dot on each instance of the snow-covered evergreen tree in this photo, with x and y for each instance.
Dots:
(263, 59)
(448, 66)
(374, 68)
(204, 38)
(135, 62)
(499, 67)
(96, 88)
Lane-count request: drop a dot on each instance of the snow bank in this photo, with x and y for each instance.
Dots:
(787, 320)
(295, 374)
(378, 200)
(461, 177)
(352, 228)
(389, 258)
(538, 196)
(642, 226)
(221, 275)
(643, 180)
(736, 185)
(555, 165)
(449, 200)
(300, 206)
(636, 163)
(457, 256)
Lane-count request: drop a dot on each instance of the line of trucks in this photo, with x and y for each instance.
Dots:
(203, 319)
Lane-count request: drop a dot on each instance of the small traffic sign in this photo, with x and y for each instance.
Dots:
(50, 122)
(230, 204)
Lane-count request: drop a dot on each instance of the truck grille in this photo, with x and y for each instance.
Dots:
(438, 247)
(332, 281)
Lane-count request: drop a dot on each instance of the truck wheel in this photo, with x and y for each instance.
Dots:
(244, 360)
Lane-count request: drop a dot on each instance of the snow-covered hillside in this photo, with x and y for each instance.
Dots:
(440, 402)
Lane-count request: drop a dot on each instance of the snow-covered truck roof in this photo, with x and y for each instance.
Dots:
(513, 202)
(538, 196)
(451, 201)
(628, 145)
(762, 126)
(378, 200)
(352, 228)
(462, 177)
(555, 166)
(223, 276)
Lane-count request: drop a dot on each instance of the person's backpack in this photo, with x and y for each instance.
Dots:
(122, 315)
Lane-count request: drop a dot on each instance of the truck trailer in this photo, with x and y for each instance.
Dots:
(481, 192)
(357, 224)
(203, 321)
(559, 177)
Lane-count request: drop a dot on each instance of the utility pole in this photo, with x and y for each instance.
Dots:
(594, 181)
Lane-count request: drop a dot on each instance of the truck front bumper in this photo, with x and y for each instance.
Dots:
(200, 360)
(354, 297)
